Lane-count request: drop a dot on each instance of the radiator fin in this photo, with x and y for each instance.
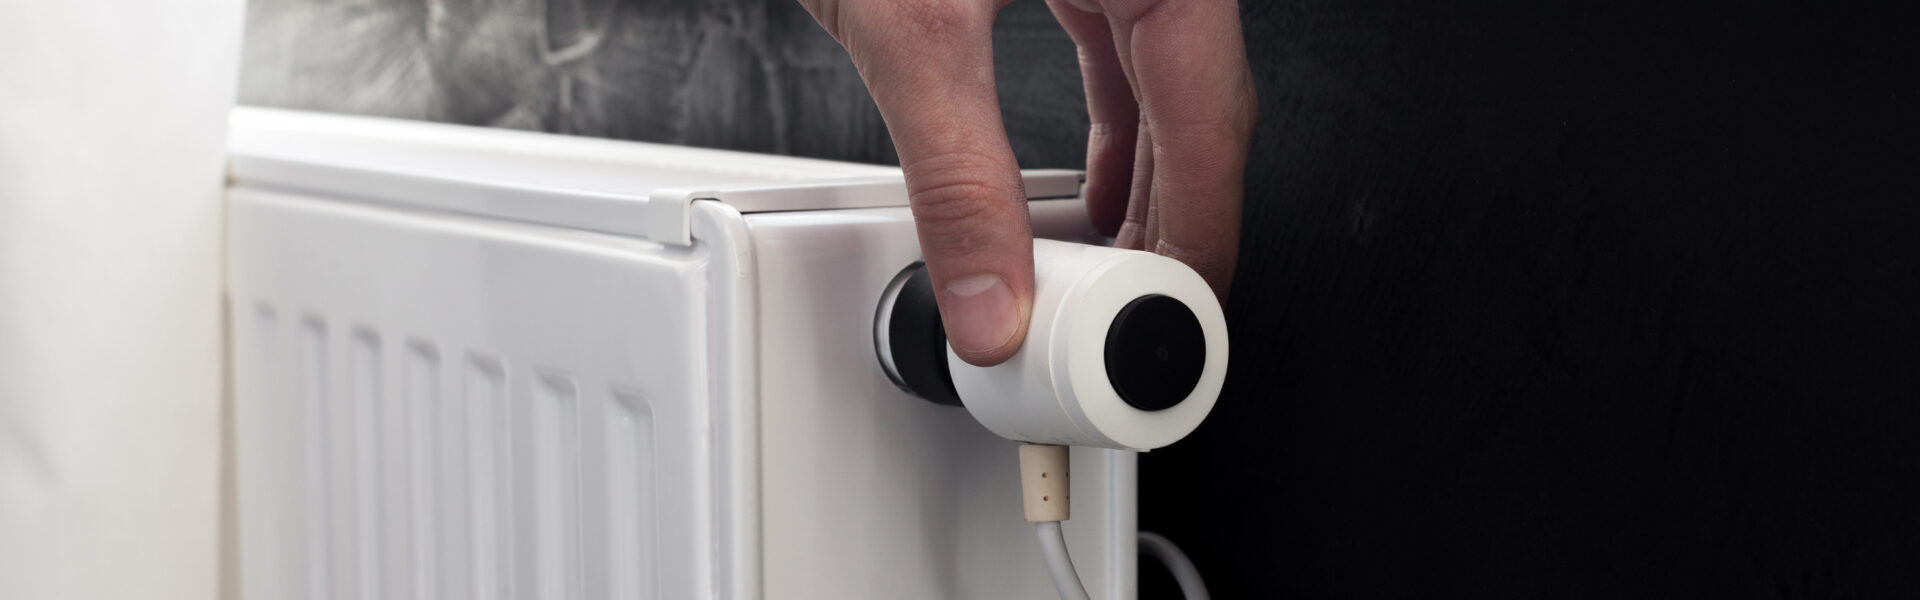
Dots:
(322, 467)
(423, 430)
(488, 489)
(556, 487)
(368, 462)
(629, 509)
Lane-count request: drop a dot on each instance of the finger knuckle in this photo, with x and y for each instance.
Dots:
(955, 203)
(1115, 132)
(1247, 103)
(1217, 129)
(1126, 10)
(1214, 263)
(959, 188)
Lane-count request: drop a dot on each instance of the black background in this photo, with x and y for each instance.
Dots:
(1536, 299)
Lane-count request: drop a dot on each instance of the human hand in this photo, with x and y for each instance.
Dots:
(1172, 107)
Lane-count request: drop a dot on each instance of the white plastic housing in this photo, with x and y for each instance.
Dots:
(1055, 390)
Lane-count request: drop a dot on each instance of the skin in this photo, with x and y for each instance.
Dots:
(1172, 107)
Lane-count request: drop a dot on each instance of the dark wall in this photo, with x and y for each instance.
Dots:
(1571, 299)
(1536, 298)
(754, 75)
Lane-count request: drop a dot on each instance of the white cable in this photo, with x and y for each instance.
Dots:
(1053, 543)
(1045, 489)
(1157, 546)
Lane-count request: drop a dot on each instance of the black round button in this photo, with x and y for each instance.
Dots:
(1155, 352)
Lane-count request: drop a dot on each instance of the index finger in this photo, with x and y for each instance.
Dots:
(929, 66)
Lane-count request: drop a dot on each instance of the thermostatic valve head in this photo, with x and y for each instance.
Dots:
(1126, 349)
(910, 339)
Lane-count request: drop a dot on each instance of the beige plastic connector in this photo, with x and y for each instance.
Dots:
(1044, 482)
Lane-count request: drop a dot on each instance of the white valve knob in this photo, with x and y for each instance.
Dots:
(1126, 349)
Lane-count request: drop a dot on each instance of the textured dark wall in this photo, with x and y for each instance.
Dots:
(1549, 299)
(755, 75)
(1537, 299)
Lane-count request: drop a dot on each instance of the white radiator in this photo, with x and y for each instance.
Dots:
(474, 363)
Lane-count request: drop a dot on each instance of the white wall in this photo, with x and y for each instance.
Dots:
(112, 119)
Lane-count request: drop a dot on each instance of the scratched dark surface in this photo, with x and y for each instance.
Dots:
(1544, 299)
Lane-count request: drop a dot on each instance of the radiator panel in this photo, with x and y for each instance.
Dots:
(482, 364)
(432, 406)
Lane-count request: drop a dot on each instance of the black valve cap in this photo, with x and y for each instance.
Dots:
(1155, 352)
(917, 341)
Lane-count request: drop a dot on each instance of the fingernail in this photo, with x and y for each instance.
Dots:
(981, 313)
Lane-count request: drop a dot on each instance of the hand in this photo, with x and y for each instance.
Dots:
(1172, 105)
